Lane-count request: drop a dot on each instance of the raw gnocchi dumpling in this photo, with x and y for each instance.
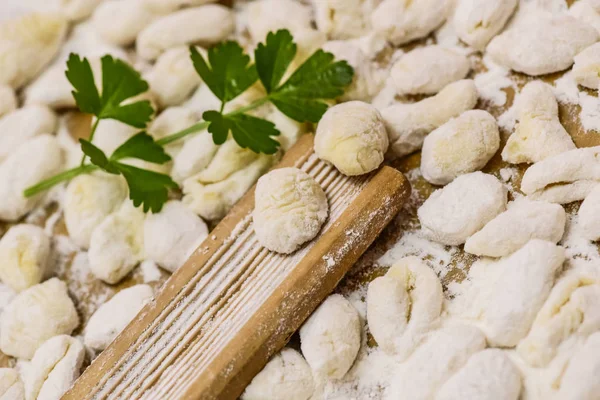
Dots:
(452, 214)
(476, 22)
(52, 88)
(330, 338)
(23, 124)
(84, 209)
(182, 27)
(290, 209)
(352, 137)
(11, 386)
(580, 379)
(111, 133)
(585, 12)
(539, 133)
(408, 124)
(266, 16)
(172, 235)
(27, 44)
(427, 70)
(403, 306)
(462, 145)
(195, 155)
(228, 159)
(286, 376)
(419, 378)
(24, 256)
(343, 19)
(524, 220)
(113, 316)
(167, 6)
(34, 316)
(586, 67)
(8, 100)
(119, 22)
(488, 374)
(589, 215)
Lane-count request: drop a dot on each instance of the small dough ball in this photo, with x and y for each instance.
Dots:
(477, 21)
(36, 315)
(330, 338)
(8, 100)
(586, 67)
(462, 145)
(23, 124)
(119, 22)
(172, 235)
(113, 316)
(286, 376)
(290, 209)
(452, 214)
(266, 16)
(195, 155)
(11, 386)
(24, 253)
(352, 137)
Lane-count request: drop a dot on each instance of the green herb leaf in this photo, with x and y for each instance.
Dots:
(141, 146)
(97, 156)
(79, 73)
(273, 58)
(228, 72)
(248, 131)
(219, 128)
(147, 188)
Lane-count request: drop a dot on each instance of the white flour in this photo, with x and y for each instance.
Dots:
(567, 91)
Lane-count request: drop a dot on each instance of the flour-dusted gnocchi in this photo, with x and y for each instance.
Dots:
(462, 145)
(427, 70)
(111, 133)
(195, 155)
(330, 338)
(289, 129)
(408, 124)
(585, 12)
(172, 235)
(228, 159)
(539, 134)
(488, 374)
(580, 378)
(8, 100)
(84, 210)
(117, 244)
(11, 386)
(402, 21)
(290, 209)
(119, 22)
(403, 306)
(586, 67)
(24, 256)
(34, 316)
(113, 316)
(524, 220)
(452, 214)
(435, 361)
(476, 22)
(344, 19)
(27, 44)
(589, 215)
(264, 16)
(182, 27)
(19, 126)
(286, 376)
(352, 136)
(21, 170)
(167, 6)
(51, 88)
(555, 38)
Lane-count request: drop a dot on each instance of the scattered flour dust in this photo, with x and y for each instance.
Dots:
(491, 83)
(567, 91)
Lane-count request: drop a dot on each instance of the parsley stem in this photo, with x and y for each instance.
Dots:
(92, 132)
(251, 106)
(181, 134)
(56, 179)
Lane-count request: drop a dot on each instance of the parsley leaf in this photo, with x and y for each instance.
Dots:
(248, 131)
(120, 82)
(97, 156)
(141, 146)
(228, 72)
(219, 128)
(273, 58)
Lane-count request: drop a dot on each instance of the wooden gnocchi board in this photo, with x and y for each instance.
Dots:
(215, 323)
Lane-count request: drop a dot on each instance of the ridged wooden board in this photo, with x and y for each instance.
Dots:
(216, 322)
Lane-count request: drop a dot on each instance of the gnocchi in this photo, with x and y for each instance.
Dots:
(8, 100)
(11, 386)
(587, 64)
(266, 16)
(579, 380)
(477, 21)
(23, 124)
(343, 19)
(119, 22)
(589, 215)
(195, 155)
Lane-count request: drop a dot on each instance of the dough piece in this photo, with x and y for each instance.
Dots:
(36, 315)
(539, 134)
(11, 387)
(290, 130)
(24, 253)
(214, 200)
(452, 214)
(264, 16)
(504, 296)
(54, 368)
(573, 308)
(565, 177)
(541, 43)
(229, 158)
(476, 22)
(488, 375)
(182, 28)
(119, 22)
(462, 145)
(51, 88)
(27, 44)
(167, 6)
(21, 170)
(344, 19)
(427, 70)
(171, 120)
(589, 215)
(587, 66)
(435, 361)
(172, 235)
(111, 133)
(580, 379)
(524, 220)
(330, 338)
(408, 124)
(117, 244)
(402, 21)
(286, 376)
(8, 100)
(23, 124)
(173, 78)
(585, 13)
(113, 316)
(403, 306)
(88, 200)
(196, 153)
(290, 209)
(352, 137)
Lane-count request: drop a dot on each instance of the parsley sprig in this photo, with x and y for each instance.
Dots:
(228, 72)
